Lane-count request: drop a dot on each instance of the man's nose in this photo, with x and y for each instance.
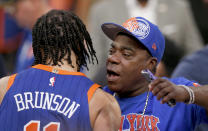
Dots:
(114, 58)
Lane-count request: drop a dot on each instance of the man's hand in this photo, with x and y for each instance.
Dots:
(166, 90)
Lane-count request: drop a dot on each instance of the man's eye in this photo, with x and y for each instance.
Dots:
(126, 54)
(111, 51)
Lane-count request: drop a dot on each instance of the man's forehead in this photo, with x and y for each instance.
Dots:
(127, 45)
(129, 40)
(123, 47)
(119, 44)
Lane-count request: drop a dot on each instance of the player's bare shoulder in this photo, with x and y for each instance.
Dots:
(3, 87)
(108, 98)
(104, 111)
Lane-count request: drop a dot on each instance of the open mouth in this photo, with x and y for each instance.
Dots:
(112, 76)
(112, 73)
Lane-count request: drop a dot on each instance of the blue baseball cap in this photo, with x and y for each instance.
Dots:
(143, 30)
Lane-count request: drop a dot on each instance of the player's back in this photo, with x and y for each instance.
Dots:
(42, 100)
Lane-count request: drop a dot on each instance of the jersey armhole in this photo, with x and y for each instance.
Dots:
(11, 81)
(91, 91)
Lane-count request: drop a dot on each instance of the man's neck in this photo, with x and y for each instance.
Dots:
(140, 90)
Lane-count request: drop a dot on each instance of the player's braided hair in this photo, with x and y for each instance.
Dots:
(58, 32)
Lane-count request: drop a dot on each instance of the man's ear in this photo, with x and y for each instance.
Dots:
(152, 63)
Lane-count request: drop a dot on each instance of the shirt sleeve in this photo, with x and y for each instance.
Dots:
(106, 89)
(200, 115)
(183, 81)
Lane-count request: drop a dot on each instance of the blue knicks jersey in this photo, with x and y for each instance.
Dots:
(159, 117)
(45, 99)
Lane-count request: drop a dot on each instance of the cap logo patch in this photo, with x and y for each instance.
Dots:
(138, 27)
(154, 47)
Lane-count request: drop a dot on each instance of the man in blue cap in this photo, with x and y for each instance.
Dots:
(139, 45)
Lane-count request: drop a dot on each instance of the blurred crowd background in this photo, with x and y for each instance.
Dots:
(184, 24)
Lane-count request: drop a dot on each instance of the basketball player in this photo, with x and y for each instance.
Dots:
(137, 45)
(53, 95)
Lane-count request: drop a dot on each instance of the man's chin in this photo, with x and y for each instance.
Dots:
(113, 87)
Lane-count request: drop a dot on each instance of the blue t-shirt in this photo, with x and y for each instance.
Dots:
(158, 116)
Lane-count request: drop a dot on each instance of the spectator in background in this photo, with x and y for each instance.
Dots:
(80, 7)
(62, 4)
(10, 37)
(200, 12)
(171, 57)
(27, 12)
(194, 67)
(173, 18)
(10, 32)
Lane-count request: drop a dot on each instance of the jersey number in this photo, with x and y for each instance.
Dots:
(35, 126)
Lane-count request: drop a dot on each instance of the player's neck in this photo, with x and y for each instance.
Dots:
(67, 67)
(63, 65)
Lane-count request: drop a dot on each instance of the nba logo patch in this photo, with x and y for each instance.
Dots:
(52, 81)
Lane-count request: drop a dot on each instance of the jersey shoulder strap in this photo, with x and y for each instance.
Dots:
(11, 81)
(91, 91)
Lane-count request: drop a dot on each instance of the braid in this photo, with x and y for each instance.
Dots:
(56, 34)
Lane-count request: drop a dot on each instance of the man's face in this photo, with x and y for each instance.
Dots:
(25, 13)
(126, 59)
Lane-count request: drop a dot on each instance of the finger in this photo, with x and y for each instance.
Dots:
(164, 92)
(167, 98)
(155, 83)
(159, 87)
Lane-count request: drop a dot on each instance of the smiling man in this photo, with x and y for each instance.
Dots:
(137, 45)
